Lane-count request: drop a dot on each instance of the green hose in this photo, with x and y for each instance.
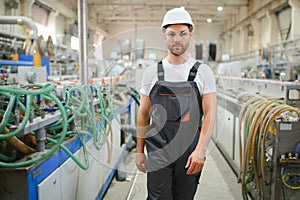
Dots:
(81, 105)
(22, 90)
(49, 152)
(23, 124)
(84, 167)
(9, 158)
(7, 115)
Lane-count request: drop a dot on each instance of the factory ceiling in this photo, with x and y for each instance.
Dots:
(107, 12)
(143, 11)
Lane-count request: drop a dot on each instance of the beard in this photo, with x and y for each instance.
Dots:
(178, 49)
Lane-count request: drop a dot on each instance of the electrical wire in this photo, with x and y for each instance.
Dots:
(282, 184)
(297, 148)
(293, 179)
(285, 176)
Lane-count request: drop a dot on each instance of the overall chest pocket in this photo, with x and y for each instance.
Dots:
(176, 99)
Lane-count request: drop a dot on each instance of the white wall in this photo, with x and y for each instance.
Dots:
(60, 27)
(208, 32)
(152, 36)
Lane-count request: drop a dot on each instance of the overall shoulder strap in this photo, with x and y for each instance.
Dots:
(160, 71)
(193, 71)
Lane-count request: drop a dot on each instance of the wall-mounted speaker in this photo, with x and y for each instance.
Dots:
(212, 51)
(199, 51)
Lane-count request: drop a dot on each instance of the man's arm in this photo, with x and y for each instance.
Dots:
(143, 121)
(196, 159)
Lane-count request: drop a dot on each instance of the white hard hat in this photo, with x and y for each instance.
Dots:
(177, 16)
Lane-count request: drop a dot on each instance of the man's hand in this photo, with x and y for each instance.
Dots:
(141, 162)
(194, 163)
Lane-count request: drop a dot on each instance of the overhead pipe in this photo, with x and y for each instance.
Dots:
(33, 31)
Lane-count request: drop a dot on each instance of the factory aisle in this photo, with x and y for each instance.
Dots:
(217, 181)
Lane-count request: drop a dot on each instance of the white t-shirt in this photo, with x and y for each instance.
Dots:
(176, 73)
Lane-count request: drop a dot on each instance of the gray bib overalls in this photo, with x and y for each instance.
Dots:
(176, 119)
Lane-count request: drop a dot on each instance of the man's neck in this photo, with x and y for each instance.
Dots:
(177, 60)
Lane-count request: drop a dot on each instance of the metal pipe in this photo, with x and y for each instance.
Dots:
(285, 42)
(11, 36)
(82, 35)
(33, 31)
(40, 138)
(113, 171)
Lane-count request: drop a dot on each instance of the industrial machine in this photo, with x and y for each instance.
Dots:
(50, 131)
(258, 133)
(258, 122)
(59, 138)
(270, 163)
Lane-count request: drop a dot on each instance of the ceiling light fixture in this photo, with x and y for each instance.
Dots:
(219, 8)
(209, 20)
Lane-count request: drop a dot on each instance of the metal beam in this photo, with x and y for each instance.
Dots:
(202, 3)
(192, 11)
(68, 12)
(271, 5)
(129, 18)
(60, 7)
(143, 21)
(95, 27)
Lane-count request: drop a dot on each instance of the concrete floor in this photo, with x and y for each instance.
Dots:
(217, 181)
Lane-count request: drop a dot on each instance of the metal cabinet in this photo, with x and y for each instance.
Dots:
(50, 188)
(225, 121)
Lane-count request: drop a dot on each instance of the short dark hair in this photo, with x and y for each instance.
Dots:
(188, 25)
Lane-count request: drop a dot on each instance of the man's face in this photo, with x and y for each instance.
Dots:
(178, 38)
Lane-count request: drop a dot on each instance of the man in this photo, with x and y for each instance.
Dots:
(178, 97)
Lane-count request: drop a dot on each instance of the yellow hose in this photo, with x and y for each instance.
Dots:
(287, 185)
(255, 132)
(109, 147)
(241, 116)
(18, 144)
(27, 41)
(244, 115)
(248, 149)
(254, 137)
(269, 106)
(257, 119)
